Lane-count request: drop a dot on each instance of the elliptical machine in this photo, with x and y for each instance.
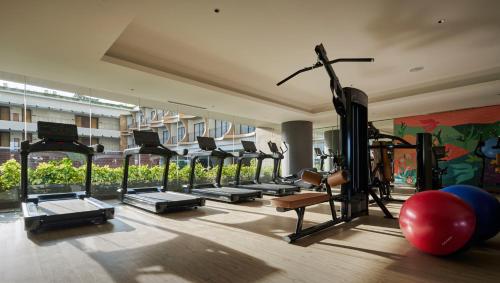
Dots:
(295, 179)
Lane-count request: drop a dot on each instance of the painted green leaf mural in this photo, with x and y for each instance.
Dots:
(463, 172)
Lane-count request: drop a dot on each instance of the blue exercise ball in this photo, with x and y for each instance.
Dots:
(486, 207)
(488, 148)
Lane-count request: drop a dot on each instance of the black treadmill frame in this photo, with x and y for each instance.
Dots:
(250, 152)
(209, 149)
(64, 138)
(150, 144)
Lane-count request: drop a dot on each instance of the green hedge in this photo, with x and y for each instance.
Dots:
(63, 172)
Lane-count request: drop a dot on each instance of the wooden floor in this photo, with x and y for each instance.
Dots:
(231, 243)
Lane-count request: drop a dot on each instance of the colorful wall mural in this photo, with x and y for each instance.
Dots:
(459, 131)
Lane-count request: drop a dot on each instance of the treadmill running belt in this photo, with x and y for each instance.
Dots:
(163, 197)
(65, 206)
(270, 187)
(224, 191)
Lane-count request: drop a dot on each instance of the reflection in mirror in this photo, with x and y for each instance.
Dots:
(384, 126)
(248, 166)
(326, 141)
(262, 137)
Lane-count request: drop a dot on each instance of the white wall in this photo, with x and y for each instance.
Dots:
(109, 123)
(263, 135)
(52, 116)
(17, 110)
(110, 144)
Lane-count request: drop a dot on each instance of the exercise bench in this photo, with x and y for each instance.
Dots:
(299, 202)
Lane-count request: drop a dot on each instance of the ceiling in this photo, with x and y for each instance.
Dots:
(183, 55)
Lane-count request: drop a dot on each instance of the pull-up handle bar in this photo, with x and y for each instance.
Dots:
(319, 64)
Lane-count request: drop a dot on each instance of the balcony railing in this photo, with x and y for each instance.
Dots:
(191, 137)
(14, 126)
(173, 140)
(217, 133)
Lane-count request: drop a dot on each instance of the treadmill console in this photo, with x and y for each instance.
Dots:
(249, 146)
(143, 138)
(206, 143)
(273, 147)
(57, 131)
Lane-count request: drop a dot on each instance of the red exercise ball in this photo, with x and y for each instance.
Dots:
(436, 222)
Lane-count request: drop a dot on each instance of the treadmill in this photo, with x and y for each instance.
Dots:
(293, 180)
(322, 157)
(216, 191)
(274, 189)
(42, 211)
(154, 199)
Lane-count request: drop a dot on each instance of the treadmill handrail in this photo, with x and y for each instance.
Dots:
(250, 155)
(211, 153)
(159, 150)
(48, 145)
(217, 153)
(155, 150)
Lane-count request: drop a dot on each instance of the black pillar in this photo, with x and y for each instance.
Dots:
(355, 152)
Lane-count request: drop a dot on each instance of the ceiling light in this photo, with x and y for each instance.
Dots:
(416, 69)
(441, 21)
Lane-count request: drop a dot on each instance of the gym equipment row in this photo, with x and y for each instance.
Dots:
(42, 211)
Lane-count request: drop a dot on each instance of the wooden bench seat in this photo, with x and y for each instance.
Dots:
(299, 200)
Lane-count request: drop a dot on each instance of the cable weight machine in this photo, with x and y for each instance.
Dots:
(351, 105)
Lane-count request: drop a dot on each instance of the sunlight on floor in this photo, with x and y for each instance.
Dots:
(233, 218)
(156, 277)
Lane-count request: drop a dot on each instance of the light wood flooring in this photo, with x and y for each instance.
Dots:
(231, 243)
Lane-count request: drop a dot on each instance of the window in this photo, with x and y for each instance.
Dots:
(28, 115)
(15, 117)
(166, 135)
(4, 113)
(130, 121)
(199, 128)
(181, 131)
(141, 117)
(84, 122)
(4, 139)
(87, 141)
(16, 142)
(153, 114)
(244, 129)
(220, 128)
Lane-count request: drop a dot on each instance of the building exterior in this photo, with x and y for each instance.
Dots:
(97, 122)
(105, 122)
(179, 131)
